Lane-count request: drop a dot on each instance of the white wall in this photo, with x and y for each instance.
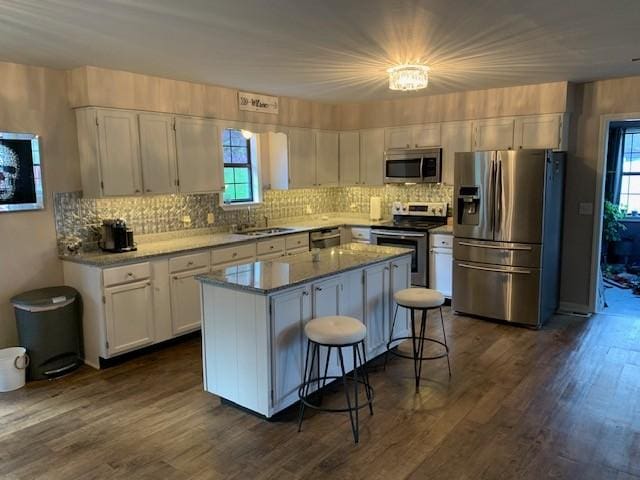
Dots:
(34, 100)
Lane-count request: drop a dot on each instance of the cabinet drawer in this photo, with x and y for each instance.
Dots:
(360, 233)
(232, 254)
(271, 246)
(126, 274)
(295, 251)
(441, 241)
(188, 262)
(297, 241)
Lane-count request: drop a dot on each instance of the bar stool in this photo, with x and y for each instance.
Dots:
(335, 332)
(423, 299)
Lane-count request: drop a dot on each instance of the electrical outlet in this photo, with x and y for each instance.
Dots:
(210, 218)
(186, 220)
(308, 210)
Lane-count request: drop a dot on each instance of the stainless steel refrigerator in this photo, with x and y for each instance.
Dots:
(507, 234)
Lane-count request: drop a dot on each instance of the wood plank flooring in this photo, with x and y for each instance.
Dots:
(563, 402)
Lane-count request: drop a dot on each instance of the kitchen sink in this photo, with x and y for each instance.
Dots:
(266, 231)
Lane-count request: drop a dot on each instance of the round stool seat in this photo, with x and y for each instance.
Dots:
(419, 298)
(335, 330)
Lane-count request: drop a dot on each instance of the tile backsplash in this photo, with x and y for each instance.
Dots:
(81, 217)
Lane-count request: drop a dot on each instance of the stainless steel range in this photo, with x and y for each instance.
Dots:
(410, 229)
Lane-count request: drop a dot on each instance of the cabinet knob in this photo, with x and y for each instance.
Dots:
(137, 190)
(396, 266)
(234, 254)
(175, 277)
(271, 247)
(318, 289)
(305, 293)
(416, 145)
(189, 264)
(129, 274)
(149, 284)
(148, 190)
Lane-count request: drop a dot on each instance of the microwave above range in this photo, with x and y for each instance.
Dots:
(413, 165)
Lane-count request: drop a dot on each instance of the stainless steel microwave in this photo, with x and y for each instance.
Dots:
(413, 165)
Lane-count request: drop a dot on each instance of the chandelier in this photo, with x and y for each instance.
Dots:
(408, 77)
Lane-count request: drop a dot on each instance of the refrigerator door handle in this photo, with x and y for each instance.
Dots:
(494, 247)
(492, 187)
(498, 196)
(497, 270)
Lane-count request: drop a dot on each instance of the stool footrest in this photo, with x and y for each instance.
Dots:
(323, 380)
(411, 357)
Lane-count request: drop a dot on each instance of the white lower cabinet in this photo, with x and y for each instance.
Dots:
(290, 311)
(376, 308)
(400, 278)
(185, 301)
(129, 316)
(441, 264)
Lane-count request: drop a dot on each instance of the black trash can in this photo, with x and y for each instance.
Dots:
(49, 324)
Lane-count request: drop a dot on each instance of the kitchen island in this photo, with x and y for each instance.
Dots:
(254, 316)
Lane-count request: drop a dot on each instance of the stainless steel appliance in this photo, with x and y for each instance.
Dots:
(507, 231)
(412, 165)
(116, 237)
(410, 229)
(325, 238)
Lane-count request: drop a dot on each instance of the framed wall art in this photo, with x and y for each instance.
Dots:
(20, 172)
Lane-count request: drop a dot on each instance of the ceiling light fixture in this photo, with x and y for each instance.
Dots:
(408, 77)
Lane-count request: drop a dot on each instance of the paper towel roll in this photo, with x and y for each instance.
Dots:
(375, 208)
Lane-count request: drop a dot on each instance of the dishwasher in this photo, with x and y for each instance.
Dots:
(325, 238)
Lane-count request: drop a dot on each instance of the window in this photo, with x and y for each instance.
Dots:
(630, 178)
(240, 173)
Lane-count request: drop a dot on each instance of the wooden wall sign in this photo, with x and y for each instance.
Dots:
(254, 102)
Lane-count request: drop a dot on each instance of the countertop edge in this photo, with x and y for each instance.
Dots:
(205, 279)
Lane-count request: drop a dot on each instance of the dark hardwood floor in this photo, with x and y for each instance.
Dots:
(563, 402)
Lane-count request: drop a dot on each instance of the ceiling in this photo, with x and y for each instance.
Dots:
(330, 50)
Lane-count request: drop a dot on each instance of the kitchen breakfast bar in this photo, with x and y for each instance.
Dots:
(254, 316)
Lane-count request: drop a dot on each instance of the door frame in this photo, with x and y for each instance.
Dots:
(596, 241)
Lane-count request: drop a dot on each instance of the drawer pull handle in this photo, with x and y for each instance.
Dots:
(129, 274)
(318, 289)
(305, 293)
(495, 247)
(497, 270)
(234, 254)
(271, 247)
(189, 263)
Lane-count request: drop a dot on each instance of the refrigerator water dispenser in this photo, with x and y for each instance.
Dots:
(469, 205)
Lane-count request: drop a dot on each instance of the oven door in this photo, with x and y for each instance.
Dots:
(414, 240)
(403, 168)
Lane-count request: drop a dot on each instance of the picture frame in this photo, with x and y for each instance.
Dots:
(21, 182)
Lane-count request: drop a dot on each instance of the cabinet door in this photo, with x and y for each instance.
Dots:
(327, 297)
(398, 137)
(302, 158)
(119, 152)
(493, 134)
(186, 312)
(372, 156)
(198, 154)
(540, 131)
(349, 158)
(289, 313)
(441, 270)
(426, 135)
(327, 158)
(158, 153)
(456, 137)
(400, 279)
(376, 308)
(129, 316)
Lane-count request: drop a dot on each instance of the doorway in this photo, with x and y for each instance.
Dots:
(618, 254)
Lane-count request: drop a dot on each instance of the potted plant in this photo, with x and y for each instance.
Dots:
(612, 226)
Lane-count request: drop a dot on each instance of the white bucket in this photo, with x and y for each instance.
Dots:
(13, 363)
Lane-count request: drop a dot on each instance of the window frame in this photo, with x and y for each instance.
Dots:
(624, 175)
(252, 165)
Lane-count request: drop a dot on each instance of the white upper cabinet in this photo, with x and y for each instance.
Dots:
(302, 158)
(349, 143)
(426, 135)
(110, 153)
(158, 153)
(372, 156)
(398, 137)
(327, 158)
(540, 131)
(493, 134)
(456, 137)
(416, 136)
(199, 156)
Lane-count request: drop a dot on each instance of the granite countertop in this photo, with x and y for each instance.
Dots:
(266, 277)
(446, 229)
(186, 244)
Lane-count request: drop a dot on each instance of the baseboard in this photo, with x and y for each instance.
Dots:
(574, 308)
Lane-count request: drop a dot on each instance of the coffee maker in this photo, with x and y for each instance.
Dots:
(116, 237)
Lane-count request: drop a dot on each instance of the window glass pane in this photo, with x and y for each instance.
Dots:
(237, 139)
(226, 154)
(228, 174)
(633, 163)
(226, 137)
(633, 203)
(239, 155)
(229, 193)
(243, 192)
